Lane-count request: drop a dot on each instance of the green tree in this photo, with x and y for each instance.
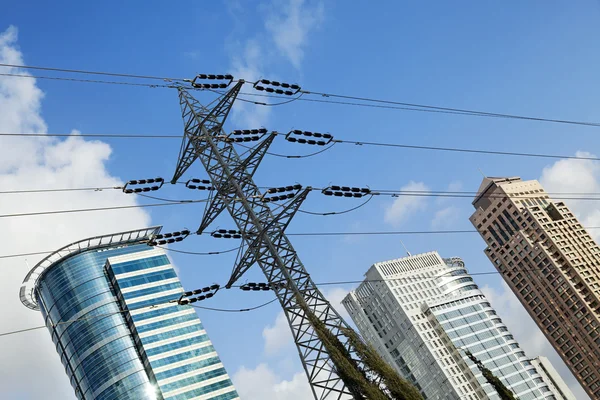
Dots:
(503, 391)
(398, 387)
(351, 374)
(354, 377)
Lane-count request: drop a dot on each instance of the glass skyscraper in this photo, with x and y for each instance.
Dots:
(423, 313)
(108, 304)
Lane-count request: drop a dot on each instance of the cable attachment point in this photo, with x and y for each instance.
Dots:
(168, 238)
(243, 135)
(226, 234)
(292, 191)
(137, 182)
(204, 293)
(274, 87)
(291, 136)
(346, 191)
(189, 184)
(198, 85)
(257, 287)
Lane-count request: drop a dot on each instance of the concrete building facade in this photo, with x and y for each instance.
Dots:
(551, 263)
(422, 313)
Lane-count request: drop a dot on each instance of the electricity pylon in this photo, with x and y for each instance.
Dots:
(265, 242)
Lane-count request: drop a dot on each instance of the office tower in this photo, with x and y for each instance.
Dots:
(550, 375)
(107, 304)
(423, 313)
(551, 264)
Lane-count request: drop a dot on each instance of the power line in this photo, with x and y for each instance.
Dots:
(385, 192)
(120, 312)
(364, 101)
(97, 209)
(55, 78)
(463, 150)
(236, 310)
(96, 135)
(337, 212)
(209, 253)
(79, 71)
(294, 156)
(431, 108)
(354, 142)
(92, 189)
(327, 283)
(364, 233)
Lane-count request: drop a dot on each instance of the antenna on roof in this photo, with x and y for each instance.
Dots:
(405, 249)
(481, 172)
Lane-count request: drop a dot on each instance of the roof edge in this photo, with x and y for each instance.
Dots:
(26, 292)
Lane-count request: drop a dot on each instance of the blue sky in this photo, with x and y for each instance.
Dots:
(534, 58)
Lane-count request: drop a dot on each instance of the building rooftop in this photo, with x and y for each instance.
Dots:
(488, 181)
(26, 293)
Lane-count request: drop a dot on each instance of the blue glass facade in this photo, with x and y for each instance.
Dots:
(422, 313)
(117, 335)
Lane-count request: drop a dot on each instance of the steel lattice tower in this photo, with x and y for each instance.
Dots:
(264, 240)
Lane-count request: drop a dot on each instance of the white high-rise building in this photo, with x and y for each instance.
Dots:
(551, 376)
(422, 313)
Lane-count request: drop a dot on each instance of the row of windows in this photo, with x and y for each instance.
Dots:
(193, 379)
(151, 290)
(167, 322)
(171, 334)
(203, 390)
(176, 345)
(154, 301)
(187, 368)
(182, 356)
(147, 278)
(136, 265)
(158, 312)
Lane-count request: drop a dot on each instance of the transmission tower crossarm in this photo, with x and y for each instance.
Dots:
(256, 249)
(195, 117)
(243, 171)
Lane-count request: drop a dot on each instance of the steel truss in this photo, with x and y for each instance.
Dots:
(263, 229)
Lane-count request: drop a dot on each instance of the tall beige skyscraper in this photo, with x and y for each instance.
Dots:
(551, 263)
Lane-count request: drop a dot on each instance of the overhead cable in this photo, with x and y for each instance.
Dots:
(391, 192)
(362, 101)
(354, 142)
(151, 306)
(79, 71)
(97, 209)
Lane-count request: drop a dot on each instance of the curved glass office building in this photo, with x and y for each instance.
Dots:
(106, 303)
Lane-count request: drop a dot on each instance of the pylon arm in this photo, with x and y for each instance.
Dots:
(198, 119)
(258, 249)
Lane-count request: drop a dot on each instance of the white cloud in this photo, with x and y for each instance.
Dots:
(290, 22)
(445, 217)
(277, 336)
(250, 66)
(287, 25)
(335, 296)
(526, 332)
(30, 366)
(402, 208)
(263, 383)
(576, 176)
(455, 186)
